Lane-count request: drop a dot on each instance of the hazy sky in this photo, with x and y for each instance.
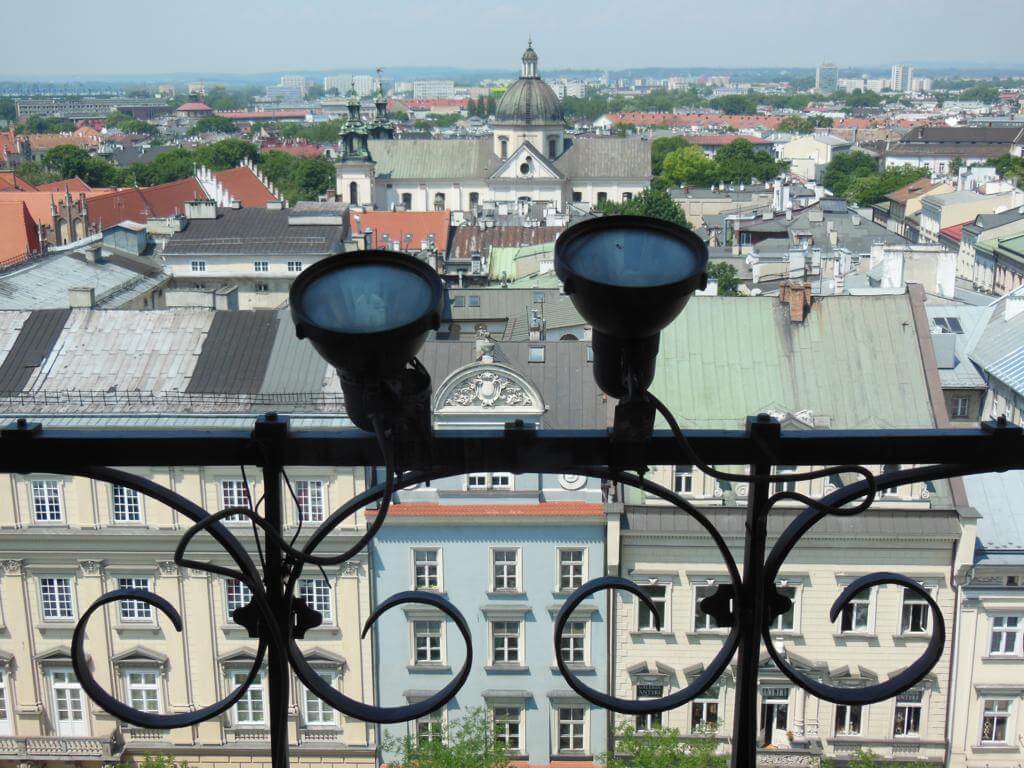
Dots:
(120, 36)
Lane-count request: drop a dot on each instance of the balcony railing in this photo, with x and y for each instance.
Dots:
(58, 748)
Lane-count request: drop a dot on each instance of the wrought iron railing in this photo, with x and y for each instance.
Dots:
(277, 618)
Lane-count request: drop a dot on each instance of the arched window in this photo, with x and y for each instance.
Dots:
(552, 147)
(439, 201)
(474, 199)
(407, 201)
(504, 148)
(353, 193)
(569, 337)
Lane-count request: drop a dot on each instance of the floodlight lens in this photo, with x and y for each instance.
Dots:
(367, 298)
(631, 257)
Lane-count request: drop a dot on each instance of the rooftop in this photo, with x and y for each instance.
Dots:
(255, 231)
(998, 498)
(413, 230)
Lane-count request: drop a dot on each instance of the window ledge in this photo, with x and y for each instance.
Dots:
(428, 669)
(1001, 657)
(1007, 748)
(230, 626)
(506, 669)
(499, 593)
(912, 637)
(640, 634)
(574, 756)
(787, 634)
(55, 624)
(854, 636)
(699, 633)
(579, 669)
(144, 626)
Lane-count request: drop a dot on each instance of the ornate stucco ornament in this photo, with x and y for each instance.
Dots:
(489, 389)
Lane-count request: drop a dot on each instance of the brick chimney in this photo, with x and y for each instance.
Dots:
(798, 297)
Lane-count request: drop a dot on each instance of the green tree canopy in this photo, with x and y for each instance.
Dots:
(36, 124)
(845, 168)
(690, 165)
(224, 154)
(67, 161)
(798, 124)
(727, 277)
(739, 162)
(213, 124)
(736, 104)
(660, 148)
(177, 163)
(650, 202)
(8, 110)
(663, 748)
(868, 190)
(465, 742)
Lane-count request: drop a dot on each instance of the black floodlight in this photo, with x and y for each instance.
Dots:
(368, 313)
(629, 276)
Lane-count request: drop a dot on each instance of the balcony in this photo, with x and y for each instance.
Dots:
(46, 748)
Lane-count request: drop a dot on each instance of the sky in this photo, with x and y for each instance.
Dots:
(65, 37)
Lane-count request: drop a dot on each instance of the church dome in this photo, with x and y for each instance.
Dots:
(529, 100)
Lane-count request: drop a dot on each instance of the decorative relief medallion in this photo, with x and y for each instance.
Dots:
(90, 567)
(488, 390)
(11, 567)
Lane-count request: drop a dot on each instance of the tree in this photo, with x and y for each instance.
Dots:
(663, 748)
(726, 276)
(36, 124)
(466, 742)
(650, 202)
(172, 165)
(8, 111)
(690, 165)
(868, 190)
(1010, 168)
(314, 91)
(35, 173)
(845, 168)
(798, 124)
(662, 147)
(125, 123)
(298, 178)
(224, 154)
(736, 104)
(738, 163)
(67, 161)
(213, 124)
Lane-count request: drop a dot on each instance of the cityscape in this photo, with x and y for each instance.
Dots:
(864, 233)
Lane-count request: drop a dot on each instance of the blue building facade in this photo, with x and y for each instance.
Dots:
(506, 550)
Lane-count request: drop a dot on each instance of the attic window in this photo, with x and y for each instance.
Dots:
(948, 324)
(538, 297)
(474, 301)
(459, 301)
(590, 354)
(536, 354)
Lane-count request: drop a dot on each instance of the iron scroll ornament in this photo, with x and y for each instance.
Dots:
(282, 635)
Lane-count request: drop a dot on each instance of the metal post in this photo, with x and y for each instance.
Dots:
(751, 617)
(270, 431)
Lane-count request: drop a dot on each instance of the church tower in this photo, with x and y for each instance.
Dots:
(381, 127)
(529, 111)
(355, 169)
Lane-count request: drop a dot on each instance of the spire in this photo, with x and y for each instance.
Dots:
(530, 60)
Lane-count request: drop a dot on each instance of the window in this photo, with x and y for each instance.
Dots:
(353, 193)
(262, 288)
(134, 610)
(473, 301)
(504, 148)
(310, 495)
(261, 266)
(574, 642)
(294, 266)
(430, 727)
(783, 486)
(602, 197)
(56, 598)
(249, 711)
(501, 481)
(476, 481)
(590, 354)
(536, 355)
(5, 717)
(652, 720)
(198, 266)
(126, 506)
(704, 712)
(848, 719)
(46, 501)
(703, 621)
(495, 481)
(426, 563)
(407, 201)
(439, 201)
(317, 594)
(474, 200)
(570, 730)
(627, 196)
(68, 703)
(317, 712)
(784, 622)
(237, 594)
(645, 619)
(1006, 636)
(577, 197)
(894, 491)
(570, 569)
(505, 642)
(143, 689)
(427, 641)
(524, 169)
(505, 570)
(538, 297)
(995, 715)
(234, 494)
(947, 324)
(961, 407)
(682, 479)
(907, 721)
(857, 613)
(915, 613)
(505, 722)
(552, 148)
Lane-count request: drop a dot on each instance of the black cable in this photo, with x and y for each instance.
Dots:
(255, 532)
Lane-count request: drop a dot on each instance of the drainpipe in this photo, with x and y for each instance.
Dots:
(954, 656)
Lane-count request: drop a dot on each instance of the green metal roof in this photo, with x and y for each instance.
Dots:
(853, 363)
(503, 258)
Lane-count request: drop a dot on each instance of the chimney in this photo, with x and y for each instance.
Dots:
(798, 297)
(275, 205)
(536, 326)
(81, 298)
(200, 209)
(833, 237)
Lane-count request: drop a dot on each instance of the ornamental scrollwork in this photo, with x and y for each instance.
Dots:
(489, 389)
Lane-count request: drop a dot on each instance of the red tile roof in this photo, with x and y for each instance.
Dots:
(245, 186)
(9, 180)
(297, 149)
(19, 236)
(410, 228)
(41, 141)
(74, 186)
(912, 190)
(721, 139)
(955, 232)
(138, 204)
(194, 106)
(539, 509)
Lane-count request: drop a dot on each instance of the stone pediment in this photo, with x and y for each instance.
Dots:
(527, 163)
(487, 388)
